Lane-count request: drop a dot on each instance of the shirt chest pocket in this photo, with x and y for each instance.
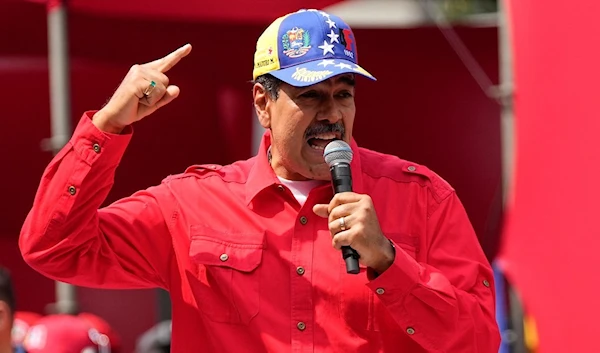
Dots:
(361, 308)
(227, 274)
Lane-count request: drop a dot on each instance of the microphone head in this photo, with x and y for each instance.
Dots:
(337, 151)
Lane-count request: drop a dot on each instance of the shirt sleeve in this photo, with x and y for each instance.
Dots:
(67, 237)
(447, 303)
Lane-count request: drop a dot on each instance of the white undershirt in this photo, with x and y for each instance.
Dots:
(301, 189)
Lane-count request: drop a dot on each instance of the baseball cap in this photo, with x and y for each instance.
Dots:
(65, 334)
(306, 47)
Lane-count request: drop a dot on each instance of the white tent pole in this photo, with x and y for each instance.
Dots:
(506, 95)
(60, 113)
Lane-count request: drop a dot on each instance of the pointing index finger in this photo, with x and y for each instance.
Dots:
(165, 64)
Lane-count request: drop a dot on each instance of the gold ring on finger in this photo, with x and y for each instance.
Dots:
(149, 89)
(343, 224)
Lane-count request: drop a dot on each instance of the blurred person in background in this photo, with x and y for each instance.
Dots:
(62, 333)
(104, 328)
(250, 251)
(156, 340)
(21, 324)
(7, 313)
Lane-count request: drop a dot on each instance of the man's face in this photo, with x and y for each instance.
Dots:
(303, 120)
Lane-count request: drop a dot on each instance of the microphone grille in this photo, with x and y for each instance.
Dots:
(337, 151)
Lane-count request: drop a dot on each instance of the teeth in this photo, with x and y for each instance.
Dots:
(329, 136)
(317, 147)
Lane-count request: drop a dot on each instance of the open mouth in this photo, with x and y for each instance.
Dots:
(318, 142)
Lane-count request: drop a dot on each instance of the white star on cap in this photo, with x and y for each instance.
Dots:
(334, 37)
(324, 14)
(330, 23)
(343, 66)
(327, 48)
(326, 62)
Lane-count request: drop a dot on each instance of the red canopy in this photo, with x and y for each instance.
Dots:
(231, 10)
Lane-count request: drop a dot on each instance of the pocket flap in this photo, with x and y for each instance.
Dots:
(241, 251)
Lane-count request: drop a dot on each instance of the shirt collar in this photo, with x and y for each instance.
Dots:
(262, 176)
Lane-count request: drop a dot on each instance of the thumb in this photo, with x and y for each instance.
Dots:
(321, 210)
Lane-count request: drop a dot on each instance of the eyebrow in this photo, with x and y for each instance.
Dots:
(348, 80)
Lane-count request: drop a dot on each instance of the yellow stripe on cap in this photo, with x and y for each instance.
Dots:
(266, 57)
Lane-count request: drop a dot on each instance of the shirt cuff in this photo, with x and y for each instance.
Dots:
(90, 143)
(397, 281)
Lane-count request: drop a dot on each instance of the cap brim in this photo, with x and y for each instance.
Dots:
(313, 72)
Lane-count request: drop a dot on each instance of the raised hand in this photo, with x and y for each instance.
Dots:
(144, 89)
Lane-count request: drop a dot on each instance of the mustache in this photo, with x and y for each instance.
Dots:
(317, 129)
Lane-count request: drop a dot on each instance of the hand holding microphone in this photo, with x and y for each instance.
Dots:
(352, 218)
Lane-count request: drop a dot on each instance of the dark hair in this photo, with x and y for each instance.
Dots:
(270, 83)
(7, 293)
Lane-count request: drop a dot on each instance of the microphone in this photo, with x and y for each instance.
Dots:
(338, 156)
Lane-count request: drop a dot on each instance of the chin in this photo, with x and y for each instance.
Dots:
(319, 172)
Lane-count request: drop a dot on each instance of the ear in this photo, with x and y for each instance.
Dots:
(262, 101)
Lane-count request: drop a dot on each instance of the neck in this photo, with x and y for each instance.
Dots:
(5, 340)
(5, 346)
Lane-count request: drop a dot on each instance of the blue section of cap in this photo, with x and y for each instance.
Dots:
(313, 72)
(314, 35)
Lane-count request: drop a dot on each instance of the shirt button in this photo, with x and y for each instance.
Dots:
(380, 291)
(96, 148)
(72, 190)
(412, 168)
(301, 326)
(303, 220)
(410, 331)
(300, 270)
(224, 257)
(486, 283)
(280, 187)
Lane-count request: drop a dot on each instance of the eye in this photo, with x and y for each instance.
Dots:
(345, 94)
(310, 94)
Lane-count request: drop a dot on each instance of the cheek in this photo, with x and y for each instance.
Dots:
(349, 114)
(289, 131)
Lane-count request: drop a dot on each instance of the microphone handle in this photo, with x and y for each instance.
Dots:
(342, 182)
(351, 257)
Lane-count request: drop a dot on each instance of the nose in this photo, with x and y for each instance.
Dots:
(329, 111)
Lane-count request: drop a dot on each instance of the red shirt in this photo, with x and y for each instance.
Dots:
(249, 269)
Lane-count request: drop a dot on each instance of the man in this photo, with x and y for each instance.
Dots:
(250, 251)
(7, 313)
